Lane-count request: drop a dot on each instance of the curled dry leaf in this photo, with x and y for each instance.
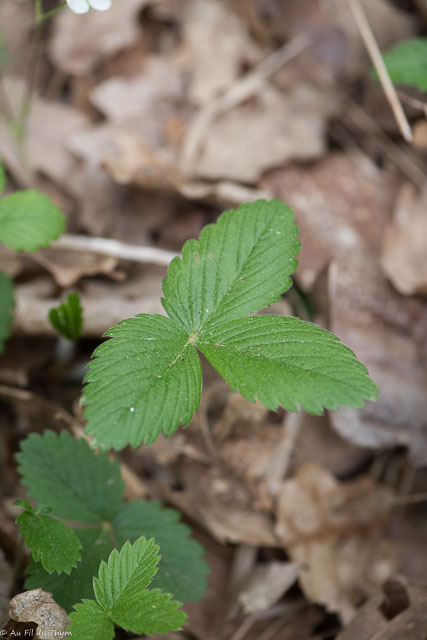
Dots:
(68, 266)
(266, 585)
(404, 249)
(398, 613)
(39, 608)
(335, 532)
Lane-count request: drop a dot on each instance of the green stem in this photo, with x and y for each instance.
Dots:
(45, 16)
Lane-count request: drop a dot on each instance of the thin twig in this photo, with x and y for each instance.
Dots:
(383, 74)
(240, 91)
(115, 249)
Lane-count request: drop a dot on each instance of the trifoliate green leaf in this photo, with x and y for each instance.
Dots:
(407, 63)
(51, 542)
(121, 589)
(69, 589)
(67, 475)
(2, 171)
(146, 379)
(239, 265)
(287, 362)
(29, 220)
(90, 621)
(182, 570)
(6, 307)
(67, 318)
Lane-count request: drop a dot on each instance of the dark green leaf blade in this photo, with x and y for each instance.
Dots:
(6, 307)
(182, 569)
(29, 220)
(67, 318)
(239, 265)
(90, 622)
(70, 589)
(286, 361)
(51, 542)
(69, 476)
(406, 63)
(146, 379)
(2, 177)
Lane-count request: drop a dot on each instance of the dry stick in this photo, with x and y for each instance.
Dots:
(242, 90)
(378, 62)
(114, 248)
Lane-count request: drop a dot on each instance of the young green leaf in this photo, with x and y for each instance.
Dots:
(175, 575)
(90, 621)
(287, 362)
(406, 63)
(122, 594)
(239, 265)
(51, 542)
(146, 379)
(86, 487)
(67, 318)
(29, 220)
(6, 307)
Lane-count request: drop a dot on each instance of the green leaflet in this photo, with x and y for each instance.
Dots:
(286, 361)
(29, 220)
(147, 379)
(239, 265)
(407, 63)
(6, 307)
(123, 597)
(2, 178)
(52, 543)
(85, 488)
(67, 318)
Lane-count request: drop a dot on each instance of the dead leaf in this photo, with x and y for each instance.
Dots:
(404, 248)
(283, 127)
(39, 608)
(6, 578)
(216, 44)
(266, 585)
(77, 45)
(68, 266)
(335, 532)
(408, 622)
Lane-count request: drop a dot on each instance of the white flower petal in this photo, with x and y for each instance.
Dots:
(78, 6)
(100, 5)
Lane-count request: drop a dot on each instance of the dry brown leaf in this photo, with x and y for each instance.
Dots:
(216, 44)
(335, 532)
(58, 164)
(399, 614)
(38, 607)
(266, 585)
(272, 130)
(6, 578)
(404, 248)
(18, 16)
(79, 44)
(68, 266)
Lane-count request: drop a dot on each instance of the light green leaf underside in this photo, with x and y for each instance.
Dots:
(67, 318)
(68, 476)
(51, 542)
(29, 220)
(182, 570)
(6, 307)
(89, 621)
(286, 361)
(70, 589)
(239, 265)
(121, 589)
(407, 63)
(146, 379)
